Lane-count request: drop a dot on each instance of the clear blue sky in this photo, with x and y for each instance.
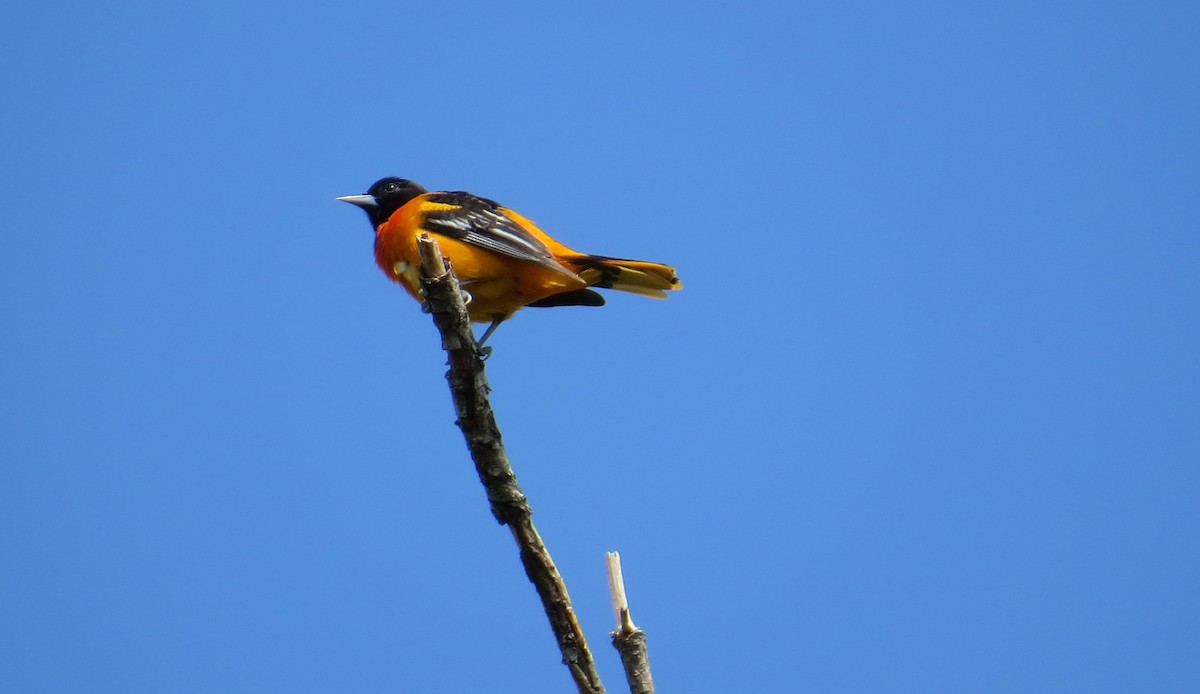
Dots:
(926, 417)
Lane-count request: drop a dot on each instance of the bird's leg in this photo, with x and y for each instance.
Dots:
(496, 321)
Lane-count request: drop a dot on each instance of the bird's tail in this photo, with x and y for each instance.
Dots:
(637, 276)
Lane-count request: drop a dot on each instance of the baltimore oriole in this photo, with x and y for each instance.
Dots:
(503, 261)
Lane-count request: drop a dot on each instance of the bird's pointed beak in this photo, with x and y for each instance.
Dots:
(360, 200)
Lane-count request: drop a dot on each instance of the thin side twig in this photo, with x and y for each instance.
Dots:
(469, 390)
(629, 640)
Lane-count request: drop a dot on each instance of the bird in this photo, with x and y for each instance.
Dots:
(503, 261)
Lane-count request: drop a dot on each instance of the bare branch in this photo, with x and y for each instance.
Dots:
(469, 389)
(629, 641)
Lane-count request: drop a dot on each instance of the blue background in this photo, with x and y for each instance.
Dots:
(925, 418)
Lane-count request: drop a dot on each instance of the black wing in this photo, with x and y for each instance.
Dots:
(482, 222)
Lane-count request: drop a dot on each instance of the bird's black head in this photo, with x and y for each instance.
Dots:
(384, 197)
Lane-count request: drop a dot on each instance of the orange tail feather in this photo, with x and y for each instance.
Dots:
(637, 276)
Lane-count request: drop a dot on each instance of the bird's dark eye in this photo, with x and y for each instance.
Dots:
(390, 188)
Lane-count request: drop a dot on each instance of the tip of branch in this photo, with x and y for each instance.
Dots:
(616, 588)
(433, 265)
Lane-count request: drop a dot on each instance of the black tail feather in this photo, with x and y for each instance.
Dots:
(579, 297)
